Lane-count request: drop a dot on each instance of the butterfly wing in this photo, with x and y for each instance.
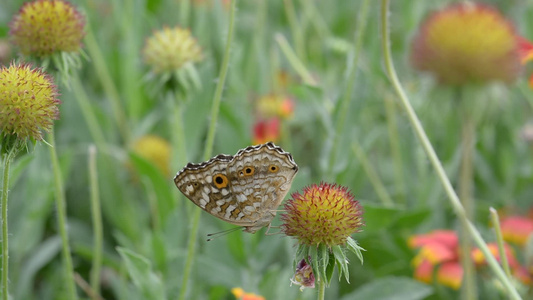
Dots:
(261, 176)
(244, 189)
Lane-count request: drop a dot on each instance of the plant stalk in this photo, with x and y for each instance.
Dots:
(195, 221)
(8, 157)
(428, 148)
(469, 288)
(97, 224)
(62, 219)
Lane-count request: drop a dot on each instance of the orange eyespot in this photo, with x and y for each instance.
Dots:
(273, 168)
(220, 181)
(247, 171)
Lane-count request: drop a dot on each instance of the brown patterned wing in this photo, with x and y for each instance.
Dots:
(207, 185)
(244, 189)
(260, 178)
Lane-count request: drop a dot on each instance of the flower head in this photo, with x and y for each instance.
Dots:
(170, 49)
(438, 250)
(270, 106)
(266, 130)
(467, 42)
(156, 150)
(43, 27)
(28, 102)
(324, 214)
(304, 276)
(516, 229)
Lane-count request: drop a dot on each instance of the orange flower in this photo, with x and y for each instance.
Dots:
(266, 131)
(516, 229)
(450, 274)
(467, 43)
(241, 295)
(479, 258)
(438, 249)
(271, 106)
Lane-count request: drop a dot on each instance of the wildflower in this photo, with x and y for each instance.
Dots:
(438, 249)
(241, 295)
(155, 150)
(28, 102)
(516, 229)
(322, 220)
(303, 276)
(467, 43)
(271, 106)
(44, 27)
(266, 130)
(439, 256)
(170, 49)
(324, 214)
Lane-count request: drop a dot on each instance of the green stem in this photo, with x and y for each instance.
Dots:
(428, 148)
(499, 239)
(195, 221)
(350, 85)
(177, 129)
(8, 157)
(185, 11)
(321, 290)
(469, 290)
(62, 219)
(97, 223)
(88, 113)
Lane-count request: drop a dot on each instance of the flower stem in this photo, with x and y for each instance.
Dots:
(499, 239)
(350, 85)
(465, 194)
(321, 289)
(179, 150)
(97, 223)
(195, 221)
(8, 157)
(62, 219)
(428, 148)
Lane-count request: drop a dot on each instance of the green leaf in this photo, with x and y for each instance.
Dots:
(342, 261)
(313, 253)
(140, 270)
(330, 268)
(352, 246)
(323, 259)
(391, 288)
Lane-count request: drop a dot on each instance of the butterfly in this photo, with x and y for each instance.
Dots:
(244, 189)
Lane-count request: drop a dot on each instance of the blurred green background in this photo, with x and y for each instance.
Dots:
(131, 186)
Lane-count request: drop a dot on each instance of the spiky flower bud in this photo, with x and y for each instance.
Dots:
(324, 214)
(467, 43)
(28, 102)
(44, 27)
(170, 49)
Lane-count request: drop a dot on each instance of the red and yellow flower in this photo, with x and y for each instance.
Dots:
(467, 43)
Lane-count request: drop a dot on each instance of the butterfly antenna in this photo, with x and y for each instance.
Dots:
(222, 233)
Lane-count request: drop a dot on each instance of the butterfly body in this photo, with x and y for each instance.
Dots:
(244, 189)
